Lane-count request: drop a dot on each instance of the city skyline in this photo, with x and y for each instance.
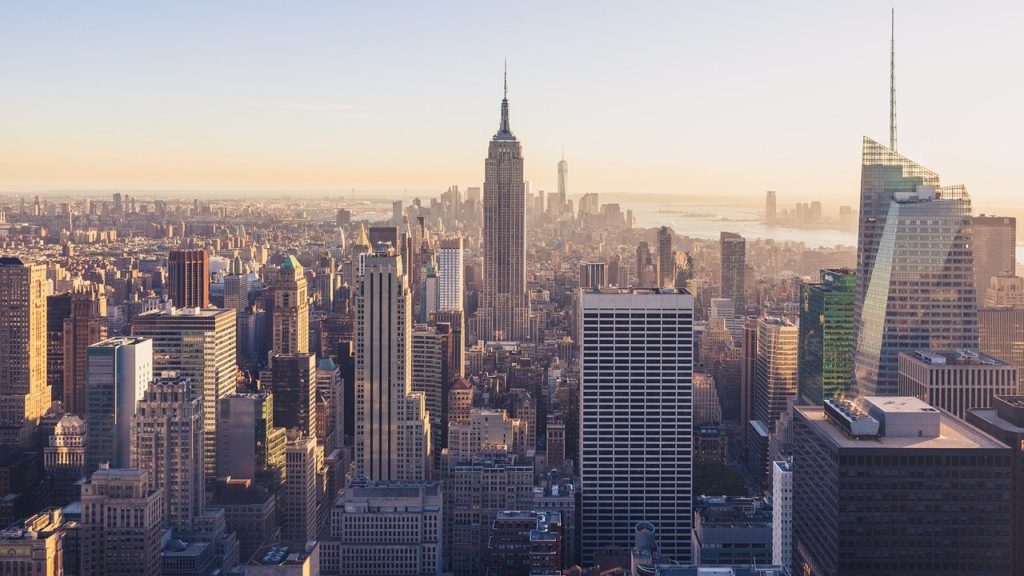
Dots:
(332, 112)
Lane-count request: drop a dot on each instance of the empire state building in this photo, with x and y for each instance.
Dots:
(504, 312)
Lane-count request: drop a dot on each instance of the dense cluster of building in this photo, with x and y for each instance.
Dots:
(495, 382)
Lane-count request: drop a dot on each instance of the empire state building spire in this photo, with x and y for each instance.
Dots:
(504, 130)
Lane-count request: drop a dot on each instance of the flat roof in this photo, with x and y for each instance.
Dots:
(952, 432)
(992, 416)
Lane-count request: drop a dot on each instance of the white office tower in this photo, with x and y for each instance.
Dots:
(782, 513)
(636, 442)
(118, 371)
(451, 273)
(725, 308)
(392, 431)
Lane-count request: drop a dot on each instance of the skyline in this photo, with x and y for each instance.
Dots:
(215, 103)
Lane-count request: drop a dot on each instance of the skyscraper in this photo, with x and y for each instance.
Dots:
(290, 315)
(563, 183)
(24, 391)
(118, 370)
(915, 284)
(769, 208)
(392, 430)
(300, 490)
(504, 241)
(122, 521)
(200, 345)
(188, 274)
(293, 382)
(636, 445)
(775, 380)
(451, 272)
(249, 444)
(167, 440)
(236, 292)
(734, 269)
(826, 336)
(86, 325)
(995, 249)
(430, 372)
(955, 380)
(666, 261)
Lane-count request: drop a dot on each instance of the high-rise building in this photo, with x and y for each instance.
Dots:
(563, 184)
(725, 308)
(782, 513)
(85, 325)
(236, 292)
(39, 545)
(732, 531)
(955, 380)
(650, 476)
(293, 382)
(995, 249)
(456, 320)
(188, 275)
(644, 270)
(167, 440)
(24, 391)
(826, 336)
(58, 309)
(875, 487)
(198, 344)
(329, 388)
(249, 445)
(118, 371)
(392, 427)
(64, 459)
(393, 527)
(525, 541)
(748, 377)
(290, 315)
(299, 520)
(504, 241)
(592, 275)
(1004, 290)
(734, 270)
(1001, 322)
(769, 208)
(451, 273)
(484, 431)
(1005, 422)
(775, 380)
(121, 525)
(430, 373)
(666, 259)
(915, 284)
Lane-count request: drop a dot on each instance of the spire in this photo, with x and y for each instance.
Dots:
(504, 130)
(892, 83)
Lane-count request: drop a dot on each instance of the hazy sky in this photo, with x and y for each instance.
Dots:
(669, 97)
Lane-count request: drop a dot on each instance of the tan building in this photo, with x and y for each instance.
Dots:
(86, 325)
(956, 380)
(24, 391)
(64, 458)
(487, 430)
(35, 546)
(300, 489)
(290, 315)
(706, 408)
(122, 523)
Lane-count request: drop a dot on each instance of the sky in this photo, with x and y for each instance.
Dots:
(678, 98)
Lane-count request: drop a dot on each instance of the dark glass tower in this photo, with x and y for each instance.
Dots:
(826, 336)
(734, 270)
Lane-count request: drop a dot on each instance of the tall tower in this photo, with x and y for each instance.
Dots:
(504, 293)
(392, 431)
(639, 408)
(86, 325)
(734, 270)
(770, 212)
(121, 523)
(775, 379)
(118, 372)
(451, 273)
(563, 181)
(167, 440)
(290, 315)
(24, 392)
(666, 262)
(189, 278)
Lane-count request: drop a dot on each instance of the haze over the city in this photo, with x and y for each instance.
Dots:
(701, 99)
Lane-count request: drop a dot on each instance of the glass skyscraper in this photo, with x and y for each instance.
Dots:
(915, 268)
(826, 336)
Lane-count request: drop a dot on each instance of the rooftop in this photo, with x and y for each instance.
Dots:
(952, 432)
(954, 358)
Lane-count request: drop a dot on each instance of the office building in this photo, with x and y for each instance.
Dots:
(645, 272)
(525, 541)
(188, 278)
(118, 371)
(198, 344)
(894, 486)
(725, 309)
(85, 325)
(486, 430)
(24, 391)
(299, 517)
(1001, 321)
(64, 459)
(504, 241)
(995, 253)
(451, 273)
(392, 427)
(236, 292)
(956, 380)
(706, 407)
(1003, 291)
(915, 284)
(640, 467)
(775, 379)
(330, 389)
(456, 320)
(732, 530)
(58, 309)
(1004, 421)
(35, 545)
(431, 357)
(666, 259)
(249, 444)
(554, 444)
(769, 208)
(250, 512)
(121, 525)
(563, 185)
(734, 270)
(826, 336)
(393, 527)
(293, 382)
(290, 313)
(592, 275)
(782, 513)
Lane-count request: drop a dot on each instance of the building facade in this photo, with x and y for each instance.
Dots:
(826, 336)
(118, 372)
(188, 275)
(956, 380)
(24, 390)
